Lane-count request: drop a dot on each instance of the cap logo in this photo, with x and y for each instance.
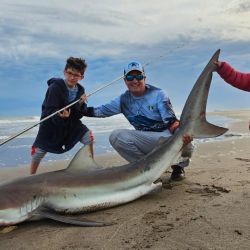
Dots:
(133, 64)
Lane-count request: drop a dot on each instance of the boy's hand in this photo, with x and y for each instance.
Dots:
(83, 99)
(65, 113)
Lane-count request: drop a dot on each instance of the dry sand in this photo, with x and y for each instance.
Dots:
(208, 210)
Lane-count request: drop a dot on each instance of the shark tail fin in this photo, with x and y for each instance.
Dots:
(193, 117)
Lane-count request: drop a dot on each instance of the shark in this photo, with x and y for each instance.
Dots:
(86, 186)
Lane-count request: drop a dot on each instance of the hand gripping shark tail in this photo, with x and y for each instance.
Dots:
(193, 117)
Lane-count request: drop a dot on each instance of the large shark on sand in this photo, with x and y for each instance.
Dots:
(85, 186)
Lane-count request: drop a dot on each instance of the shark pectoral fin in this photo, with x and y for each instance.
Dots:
(50, 214)
(207, 130)
(83, 160)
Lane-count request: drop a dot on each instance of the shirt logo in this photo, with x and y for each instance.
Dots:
(151, 107)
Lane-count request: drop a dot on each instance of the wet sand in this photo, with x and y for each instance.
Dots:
(208, 210)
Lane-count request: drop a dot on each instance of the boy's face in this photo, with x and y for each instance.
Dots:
(72, 76)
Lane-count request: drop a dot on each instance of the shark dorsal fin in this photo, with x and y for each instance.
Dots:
(83, 160)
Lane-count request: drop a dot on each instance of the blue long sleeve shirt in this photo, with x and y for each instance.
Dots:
(152, 111)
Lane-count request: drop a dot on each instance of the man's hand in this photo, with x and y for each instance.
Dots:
(65, 113)
(174, 126)
(187, 139)
(83, 99)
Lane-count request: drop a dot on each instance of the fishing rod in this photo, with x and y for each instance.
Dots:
(60, 110)
(73, 103)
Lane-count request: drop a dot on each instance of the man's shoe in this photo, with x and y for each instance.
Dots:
(178, 173)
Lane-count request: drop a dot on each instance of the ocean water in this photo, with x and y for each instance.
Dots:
(17, 151)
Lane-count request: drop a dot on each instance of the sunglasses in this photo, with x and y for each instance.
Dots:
(132, 77)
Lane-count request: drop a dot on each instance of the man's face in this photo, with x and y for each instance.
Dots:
(135, 81)
(72, 76)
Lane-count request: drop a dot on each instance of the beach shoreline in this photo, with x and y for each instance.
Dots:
(208, 210)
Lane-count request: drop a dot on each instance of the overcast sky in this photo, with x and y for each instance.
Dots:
(175, 38)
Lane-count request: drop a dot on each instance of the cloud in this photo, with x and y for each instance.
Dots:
(175, 37)
(112, 28)
(242, 6)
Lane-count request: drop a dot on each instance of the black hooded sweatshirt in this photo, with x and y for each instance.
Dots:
(58, 135)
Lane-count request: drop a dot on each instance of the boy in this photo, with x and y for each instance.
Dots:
(62, 131)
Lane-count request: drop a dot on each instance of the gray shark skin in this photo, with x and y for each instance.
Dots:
(85, 186)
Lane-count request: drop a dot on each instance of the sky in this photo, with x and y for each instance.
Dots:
(174, 39)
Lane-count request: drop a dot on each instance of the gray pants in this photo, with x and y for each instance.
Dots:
(134, 144)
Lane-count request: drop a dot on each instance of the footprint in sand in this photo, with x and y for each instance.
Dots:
(242, 159)
(205, 190)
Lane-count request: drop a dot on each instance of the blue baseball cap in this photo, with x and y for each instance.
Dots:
(133, 66)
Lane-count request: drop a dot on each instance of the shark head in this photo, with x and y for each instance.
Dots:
(18, 201)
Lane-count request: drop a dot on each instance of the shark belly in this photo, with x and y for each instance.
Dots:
(91, 199)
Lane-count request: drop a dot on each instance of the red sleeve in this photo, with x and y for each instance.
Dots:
(235, 78)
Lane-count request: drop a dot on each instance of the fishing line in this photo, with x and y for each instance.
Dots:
(94, 92)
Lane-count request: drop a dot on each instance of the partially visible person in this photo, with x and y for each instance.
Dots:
(62, 131)
(149, 111)
(235, 78)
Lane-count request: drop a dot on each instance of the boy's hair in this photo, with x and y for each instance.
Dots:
(78, 64)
